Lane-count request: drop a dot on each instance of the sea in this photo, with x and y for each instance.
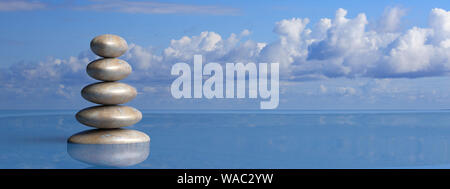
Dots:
(229, 139)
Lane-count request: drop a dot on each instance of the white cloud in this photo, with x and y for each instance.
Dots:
(205, 43)
(290, 29)
(332, 47)
(245, 32)
(350, 49)
(440, 23)
(20, 5)
(146, 7)
(338, 47)
(143, 59)
(411, 53)
(291, 45)
(213, 47)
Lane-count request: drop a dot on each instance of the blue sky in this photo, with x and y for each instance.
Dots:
(64, 29)
(365, 55)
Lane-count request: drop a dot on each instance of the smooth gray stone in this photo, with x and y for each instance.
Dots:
(111, 155)
(108, 69)
(107, 117)
(109, 136)
(109, 46)
(109, 93)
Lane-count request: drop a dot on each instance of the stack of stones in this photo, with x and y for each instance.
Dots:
(109, 116)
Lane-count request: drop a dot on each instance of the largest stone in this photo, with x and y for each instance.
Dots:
(107, 117)
(109, 136)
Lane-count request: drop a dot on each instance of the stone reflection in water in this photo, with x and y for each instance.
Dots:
(110, 155)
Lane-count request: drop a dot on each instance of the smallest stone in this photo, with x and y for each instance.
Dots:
(109, 46)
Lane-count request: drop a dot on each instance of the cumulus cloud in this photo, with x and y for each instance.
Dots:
(213, 47)
(350, 49)
(20, 5)
(331, 48)
(290, 46)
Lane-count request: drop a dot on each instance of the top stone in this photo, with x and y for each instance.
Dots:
(109, 46)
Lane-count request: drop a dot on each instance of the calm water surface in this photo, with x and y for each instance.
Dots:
(236, 139)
